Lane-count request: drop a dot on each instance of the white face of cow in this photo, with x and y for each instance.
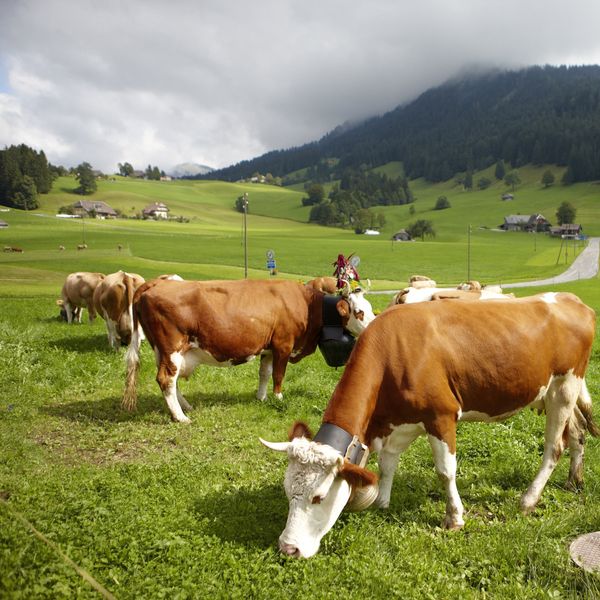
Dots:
(316, 494)
(361, 312)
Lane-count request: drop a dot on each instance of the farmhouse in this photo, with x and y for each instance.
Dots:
(3, 223)
(566, 229)
(96, 208)
(156, 210)
(535, 222)
(401, 236)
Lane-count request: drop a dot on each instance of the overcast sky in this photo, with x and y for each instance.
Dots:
(218, 81)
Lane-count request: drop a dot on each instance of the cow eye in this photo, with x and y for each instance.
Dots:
(317, 500)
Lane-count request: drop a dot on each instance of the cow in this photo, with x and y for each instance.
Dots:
(81, 246)
(227, 323)
(474, 361)
(78, 293)
(324, 284)
(421, 281)
(113, 299)
(470, 286)
(411, 295)
(12, 249)
(61, 248)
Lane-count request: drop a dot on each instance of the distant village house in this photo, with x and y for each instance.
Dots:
(156, 210)
(528, 223)
(566, 230)
(97, 208)
(401, 236)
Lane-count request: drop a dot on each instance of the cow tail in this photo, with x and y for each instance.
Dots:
(132, 360)
(584, 404)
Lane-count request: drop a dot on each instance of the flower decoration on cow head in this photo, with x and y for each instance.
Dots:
(345, 271)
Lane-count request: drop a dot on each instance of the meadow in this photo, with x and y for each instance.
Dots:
(154, 509)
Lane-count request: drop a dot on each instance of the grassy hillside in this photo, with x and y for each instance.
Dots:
(210, 244)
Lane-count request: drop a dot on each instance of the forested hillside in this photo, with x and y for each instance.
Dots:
(539, 115)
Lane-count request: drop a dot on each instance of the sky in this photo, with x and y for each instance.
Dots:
(220, 81)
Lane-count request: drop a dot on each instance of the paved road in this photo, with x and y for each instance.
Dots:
(585, 266)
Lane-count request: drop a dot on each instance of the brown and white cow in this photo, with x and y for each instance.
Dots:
(411, 295)
(324, 284)
(113, 299)
(227, 323)
(475, 361)
(78, 293)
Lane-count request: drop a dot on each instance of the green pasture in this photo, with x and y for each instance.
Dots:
(210, 245)
(153, 509)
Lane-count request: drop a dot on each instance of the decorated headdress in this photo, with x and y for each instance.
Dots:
(345, 272)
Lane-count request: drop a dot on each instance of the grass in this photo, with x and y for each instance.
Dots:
(154, 509)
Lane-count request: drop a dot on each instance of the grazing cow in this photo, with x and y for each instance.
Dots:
(81, 246)
(410, 295)
(78, 293)
(12, 249)
(61, 247)
(474, 361)
(113, 299)
(324, 284)
(227, 323)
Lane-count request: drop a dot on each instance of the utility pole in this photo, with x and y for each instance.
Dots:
(469, 253)
(245, 207)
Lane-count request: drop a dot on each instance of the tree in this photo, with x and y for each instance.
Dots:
(566, 213)
(484, 183)
(125, 169)
(87, 181)
(421, 228)
(512, 179)
(442, 203)
(25, 196)
(239, 205)
(500, 171)
(548, 178)
(468, 181)
(316, 193)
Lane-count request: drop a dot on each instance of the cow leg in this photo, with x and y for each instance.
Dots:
(264, 374)
(168, 372)
(577, 429)
(444, 458)
(69, 311)
(280, 361)
(185, 405)
(78, 313)
(398, 441)
(111, 328)
(91, 312)
(560, 402)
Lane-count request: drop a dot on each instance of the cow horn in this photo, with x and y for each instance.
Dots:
(362, 497)
(347, 289)
(277, 446)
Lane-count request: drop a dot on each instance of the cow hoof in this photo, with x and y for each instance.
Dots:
(279, 396)
(182, 419)
(260, 396)
(381, 503)
(452, 524)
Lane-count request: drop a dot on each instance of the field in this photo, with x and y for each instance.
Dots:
(152, 509)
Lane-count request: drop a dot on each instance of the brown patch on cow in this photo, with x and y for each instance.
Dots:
(357, 476)
(299, 429)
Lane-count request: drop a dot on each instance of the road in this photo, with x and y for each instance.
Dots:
(585, 266)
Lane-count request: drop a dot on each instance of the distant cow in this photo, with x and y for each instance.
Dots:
(77, 293)
(324, 284)
(61, 247)
(12, 249)
(113, 299)
(81, 246)
(170, 276)
(421, 281)
(412, 295)
(227, 323)
(475, 361)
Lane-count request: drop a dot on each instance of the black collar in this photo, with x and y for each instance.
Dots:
(348, 445)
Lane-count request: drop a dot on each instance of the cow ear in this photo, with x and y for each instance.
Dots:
(299, 429)
(357, 476)
(343, 308)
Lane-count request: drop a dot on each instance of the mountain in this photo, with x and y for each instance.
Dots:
(539, 115)
(189, 169)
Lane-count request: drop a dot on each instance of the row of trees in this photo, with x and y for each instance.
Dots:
(24, 173)
(349, 203)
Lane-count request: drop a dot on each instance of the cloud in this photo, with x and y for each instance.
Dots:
(220, 81)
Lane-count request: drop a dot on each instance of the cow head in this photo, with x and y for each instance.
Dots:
(318, 483)
(356, 311)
